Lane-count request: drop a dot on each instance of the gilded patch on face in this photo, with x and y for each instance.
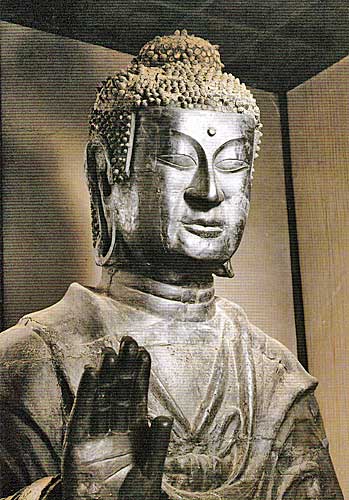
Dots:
(211, 131)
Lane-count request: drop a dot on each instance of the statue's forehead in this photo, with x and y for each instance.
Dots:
(201, 125)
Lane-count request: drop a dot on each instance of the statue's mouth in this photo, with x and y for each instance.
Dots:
(204, 229)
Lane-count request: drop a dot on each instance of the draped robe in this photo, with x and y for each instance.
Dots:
(246, 423)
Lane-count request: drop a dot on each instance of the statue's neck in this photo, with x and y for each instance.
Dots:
(170, 296)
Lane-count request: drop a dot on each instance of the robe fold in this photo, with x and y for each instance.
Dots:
(246, 423)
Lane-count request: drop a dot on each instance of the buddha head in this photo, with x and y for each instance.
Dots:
(170, 160)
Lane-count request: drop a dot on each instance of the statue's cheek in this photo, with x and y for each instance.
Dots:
(127, 209)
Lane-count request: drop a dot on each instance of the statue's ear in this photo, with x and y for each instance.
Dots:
(99, 178)
(225, 270)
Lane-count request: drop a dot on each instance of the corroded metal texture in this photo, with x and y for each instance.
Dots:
(80, 402)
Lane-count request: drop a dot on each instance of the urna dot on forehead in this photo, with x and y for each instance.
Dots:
(178, 70)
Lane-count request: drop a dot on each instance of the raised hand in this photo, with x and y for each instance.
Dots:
(111, 450)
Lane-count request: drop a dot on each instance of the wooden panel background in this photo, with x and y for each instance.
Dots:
(319, 124)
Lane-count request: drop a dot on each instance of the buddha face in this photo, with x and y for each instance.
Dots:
(188, 197)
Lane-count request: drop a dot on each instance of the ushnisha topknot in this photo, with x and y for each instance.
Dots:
(178, 70)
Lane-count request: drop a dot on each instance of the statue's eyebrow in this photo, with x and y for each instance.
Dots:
(199, 149)
(193, 142)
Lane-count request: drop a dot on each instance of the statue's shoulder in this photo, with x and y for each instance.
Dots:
(27, 370)
(267, 352)
(22, 343)
(259, 340)
(79, 317)
(33, 338)
(77, 309)
(31, 390)
(39, 353)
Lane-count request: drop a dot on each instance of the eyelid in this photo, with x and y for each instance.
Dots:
(167, 160)
(238, 165)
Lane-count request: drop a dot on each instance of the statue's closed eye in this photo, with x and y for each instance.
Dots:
(178, 160)
(231, 165)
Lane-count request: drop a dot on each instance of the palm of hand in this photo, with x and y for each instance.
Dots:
(111, 451)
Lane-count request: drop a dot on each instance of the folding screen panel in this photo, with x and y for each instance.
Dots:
(319, 127)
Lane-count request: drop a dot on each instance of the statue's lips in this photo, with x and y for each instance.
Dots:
(203, 228)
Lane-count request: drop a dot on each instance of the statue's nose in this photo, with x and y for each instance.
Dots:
(203, 188)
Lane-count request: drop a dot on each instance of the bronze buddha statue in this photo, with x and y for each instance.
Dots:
(225, 412)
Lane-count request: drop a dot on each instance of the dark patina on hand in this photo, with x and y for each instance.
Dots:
(112, 450)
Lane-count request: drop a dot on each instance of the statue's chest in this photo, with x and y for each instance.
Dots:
(184, 373)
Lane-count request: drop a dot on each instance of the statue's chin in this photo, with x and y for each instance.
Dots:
(182, 252)
(205, 245)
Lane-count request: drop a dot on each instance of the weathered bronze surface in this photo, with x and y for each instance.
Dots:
(83, 414)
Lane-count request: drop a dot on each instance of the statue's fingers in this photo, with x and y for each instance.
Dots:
(139, 411)
(101, 419)
(160, 433)
(80, 417)
(126, 373)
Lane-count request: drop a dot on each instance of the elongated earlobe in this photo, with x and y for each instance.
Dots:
(225, 270)
(97, 168)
